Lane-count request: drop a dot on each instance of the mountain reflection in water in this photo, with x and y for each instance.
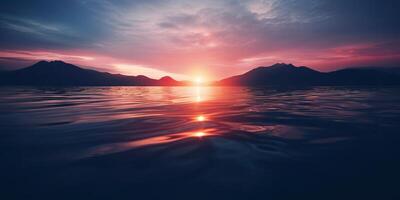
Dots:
(199, 142)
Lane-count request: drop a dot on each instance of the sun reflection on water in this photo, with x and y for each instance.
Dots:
(199, 130)
(198, 94)
(156, 140)
(199, 134)
(200, 118)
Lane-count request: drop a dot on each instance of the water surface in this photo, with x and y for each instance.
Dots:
(199, 143)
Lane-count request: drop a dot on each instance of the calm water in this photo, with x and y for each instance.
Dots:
(199, 143)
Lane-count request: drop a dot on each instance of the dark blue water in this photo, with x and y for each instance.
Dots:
(199, 143)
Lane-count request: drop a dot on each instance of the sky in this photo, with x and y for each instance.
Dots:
(210, 38)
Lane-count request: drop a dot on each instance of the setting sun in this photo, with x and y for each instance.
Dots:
(199, 80)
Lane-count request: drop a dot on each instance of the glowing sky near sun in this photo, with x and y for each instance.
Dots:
(185, 38)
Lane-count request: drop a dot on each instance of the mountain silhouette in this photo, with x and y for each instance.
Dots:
(277, 74)
(289, 75)
(59, 73)
(166, 80)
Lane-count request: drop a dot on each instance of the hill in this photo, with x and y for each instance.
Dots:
(289, 75)
(59, 73)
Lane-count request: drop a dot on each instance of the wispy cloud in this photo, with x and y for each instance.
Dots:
(42, 55)
(41, 30)
(174, 35)
(133, 69)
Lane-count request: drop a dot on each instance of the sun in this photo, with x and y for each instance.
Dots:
(198, 80)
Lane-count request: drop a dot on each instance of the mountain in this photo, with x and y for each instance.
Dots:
(166, 80)
(58, 73)
(289, 75)
(277, 74)
(363, 76)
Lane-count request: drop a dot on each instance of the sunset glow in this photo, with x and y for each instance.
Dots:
(222, 38)
(199, 99)
(199, 80)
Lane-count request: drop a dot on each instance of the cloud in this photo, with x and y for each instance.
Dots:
(175, 35)
(133, 69)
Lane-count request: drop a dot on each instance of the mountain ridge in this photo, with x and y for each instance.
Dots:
(288, 75)
(59, 73)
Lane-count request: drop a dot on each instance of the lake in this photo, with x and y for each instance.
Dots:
(199, 143)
